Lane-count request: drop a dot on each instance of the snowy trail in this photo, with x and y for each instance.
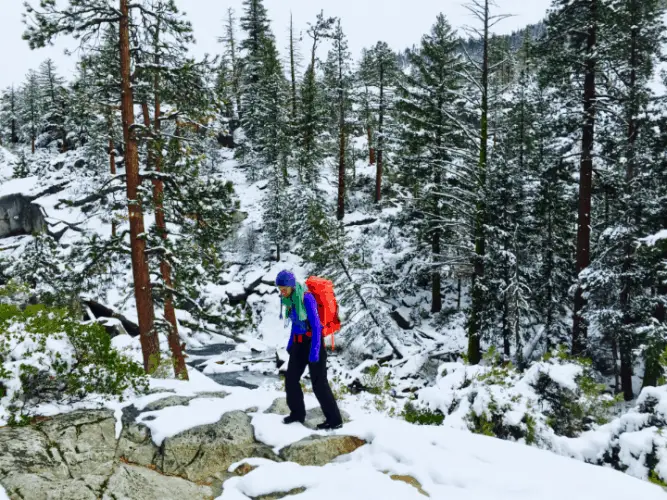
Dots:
(447, 463)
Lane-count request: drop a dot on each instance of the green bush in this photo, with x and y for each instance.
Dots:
(421, 416)
(56, 358)
(375, 382)
(572, 412)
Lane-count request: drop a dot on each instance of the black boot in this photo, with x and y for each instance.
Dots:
(289, 419)
(326, 426)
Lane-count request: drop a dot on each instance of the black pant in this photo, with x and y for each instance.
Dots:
(298, 361)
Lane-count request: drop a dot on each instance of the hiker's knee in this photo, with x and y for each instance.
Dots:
(292, 377)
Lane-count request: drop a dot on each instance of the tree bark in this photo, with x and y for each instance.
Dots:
(436, 294)
(378, 175)
(340, 214)
(458, 294)
(579, 327)
(154, 160)
(112, 165)
(150, 344)
(180, 369)
(15, 137)
(477, 306)
(235, 62)
(292, 60)
(625, 343)
(371, 149)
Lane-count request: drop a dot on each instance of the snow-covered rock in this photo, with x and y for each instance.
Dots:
(19, 216)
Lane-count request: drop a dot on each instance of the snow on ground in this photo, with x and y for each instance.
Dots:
(3, 494)
(449, 463)
(7, 160)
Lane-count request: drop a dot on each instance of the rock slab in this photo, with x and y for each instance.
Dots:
(19, 216)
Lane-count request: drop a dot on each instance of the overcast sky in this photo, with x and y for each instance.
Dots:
(401, 23)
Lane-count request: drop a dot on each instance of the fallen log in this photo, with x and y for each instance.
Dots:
(102, 311)
(56, 188)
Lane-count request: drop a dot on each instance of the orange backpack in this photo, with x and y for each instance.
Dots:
(327, 305)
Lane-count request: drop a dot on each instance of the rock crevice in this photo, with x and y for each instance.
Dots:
(76, 456)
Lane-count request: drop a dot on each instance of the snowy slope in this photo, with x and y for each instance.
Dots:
(448, 463)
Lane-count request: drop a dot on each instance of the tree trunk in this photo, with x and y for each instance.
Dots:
(63, 133)
(477, 306)
(150, 344)
(506, 327)
(436, 293)
(625, 344)
(458, 294)
(112, 165)
(155, 161)
(506, 330)
(341, 176)
(340, 213)
(579, 327)
(292, 61)
(180, 369)
(15, 137)
(32, 142)
(371, 149)
(378, 176)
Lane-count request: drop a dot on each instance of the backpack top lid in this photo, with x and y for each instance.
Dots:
(316, 284)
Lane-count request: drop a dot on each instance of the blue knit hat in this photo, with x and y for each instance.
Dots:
(285, 278)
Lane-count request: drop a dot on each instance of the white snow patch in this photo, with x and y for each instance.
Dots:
(449, 464)
(653, 239)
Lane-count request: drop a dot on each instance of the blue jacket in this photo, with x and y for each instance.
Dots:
(312, 323)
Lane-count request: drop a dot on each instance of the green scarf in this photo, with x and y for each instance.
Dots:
(295, 301)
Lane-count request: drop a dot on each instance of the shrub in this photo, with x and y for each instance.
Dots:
(48, 356)
(421, 416)
(376, 382)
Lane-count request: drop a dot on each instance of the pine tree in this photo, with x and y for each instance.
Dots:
(294, 60)
(31, 109)
(364, 97)
(260, 66)
(381, 76)
(480, 74)
(82, 21)
(54, 99)
(167, 36)
(278, 221)
(550, 229)
(232, 61)
(313, 118)
(652, 259)
(429, 102)
(573, 43)
(94, 115)
(634, 50)
(255, 24)
(9, 115)
(338, 81)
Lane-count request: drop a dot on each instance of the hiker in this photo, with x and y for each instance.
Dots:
(306, 348)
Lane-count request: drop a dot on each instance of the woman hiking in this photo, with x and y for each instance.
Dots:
(305, 348)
